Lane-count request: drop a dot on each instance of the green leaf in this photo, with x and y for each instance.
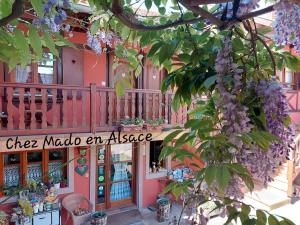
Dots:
(261, 217)
(5, 8)
(49, 43)
(38, 7)
(223, 177)
(157, 3)
(210, 174)
(23, 47)
(209, 81)
(148, 4)
(35, 42)
(95, 27)
(272, 220)
(170, 137)
(162, 10)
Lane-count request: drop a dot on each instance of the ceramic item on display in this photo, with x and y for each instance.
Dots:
(82, 169)
(41, 207)
(36, 208)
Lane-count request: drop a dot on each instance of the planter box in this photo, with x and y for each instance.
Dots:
(153, 127)
(130, 127)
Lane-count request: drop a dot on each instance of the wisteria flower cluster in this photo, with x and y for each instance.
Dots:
(101, 37)
(260, 163)
(54, 16)
(235, 116)
(286, 25)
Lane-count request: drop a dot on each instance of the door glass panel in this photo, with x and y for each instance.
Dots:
(120, 191)
(121, 152)
(121, 171)
(101, 194)
(101, 155)
(101, 174)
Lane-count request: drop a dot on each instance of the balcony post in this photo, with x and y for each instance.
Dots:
(93, 107)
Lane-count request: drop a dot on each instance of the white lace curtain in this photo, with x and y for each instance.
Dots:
(22, 74)
(46, 78)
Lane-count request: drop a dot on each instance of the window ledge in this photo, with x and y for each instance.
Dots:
(156, 175)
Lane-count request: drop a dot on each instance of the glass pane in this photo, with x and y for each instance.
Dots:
(101, 194)
(121, 152)
(121, 171)
(34, 172)
(120, 191)
(12, 176)
(55, 169)
(34, 157)
(11, 159)
(56, 155)
(45, 68)
(101, 174)
(101, 155)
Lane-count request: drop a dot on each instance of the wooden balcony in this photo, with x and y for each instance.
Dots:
(32, 109)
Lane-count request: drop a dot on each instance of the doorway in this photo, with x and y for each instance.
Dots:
(115, 176)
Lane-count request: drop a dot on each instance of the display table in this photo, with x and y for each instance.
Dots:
(45, 218)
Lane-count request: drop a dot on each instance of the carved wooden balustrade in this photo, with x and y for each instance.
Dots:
(30, 109)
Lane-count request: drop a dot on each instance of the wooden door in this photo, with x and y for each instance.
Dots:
(115, 177)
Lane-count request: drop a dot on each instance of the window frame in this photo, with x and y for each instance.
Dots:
(160, 174)
(24, 165)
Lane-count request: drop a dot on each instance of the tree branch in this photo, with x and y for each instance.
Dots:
(16, 12)
(132, 22)
(248, 16)
(201, 12)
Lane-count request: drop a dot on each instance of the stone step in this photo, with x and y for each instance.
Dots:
(270, 198)
(282, 186)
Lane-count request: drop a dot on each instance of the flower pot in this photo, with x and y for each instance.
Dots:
(57, 186)
(36, 208)
(130, 127)
(152, 127)
(98, 218)
(163, 211)
(41, 207)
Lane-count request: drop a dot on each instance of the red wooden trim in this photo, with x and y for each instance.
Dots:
(74, 104)
(65, 105)
(44, 108)
(110, 108)
(10, 108)
(1, 170)
(54, 108)
(83, 107)
(93, 108)
(21, 109)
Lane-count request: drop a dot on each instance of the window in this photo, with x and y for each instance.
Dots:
(42, 72)
(156, 165)
(21, 167)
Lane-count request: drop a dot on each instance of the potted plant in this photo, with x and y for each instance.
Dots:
(56, 181)
(64, 183)
(99, 218)
(163, 211)
(131, 124)
(154, 124)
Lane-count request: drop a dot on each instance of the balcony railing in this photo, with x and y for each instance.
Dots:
(30, 109)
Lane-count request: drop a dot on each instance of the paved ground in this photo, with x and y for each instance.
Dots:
(147, 217)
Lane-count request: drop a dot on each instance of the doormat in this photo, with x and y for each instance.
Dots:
(132, 217)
